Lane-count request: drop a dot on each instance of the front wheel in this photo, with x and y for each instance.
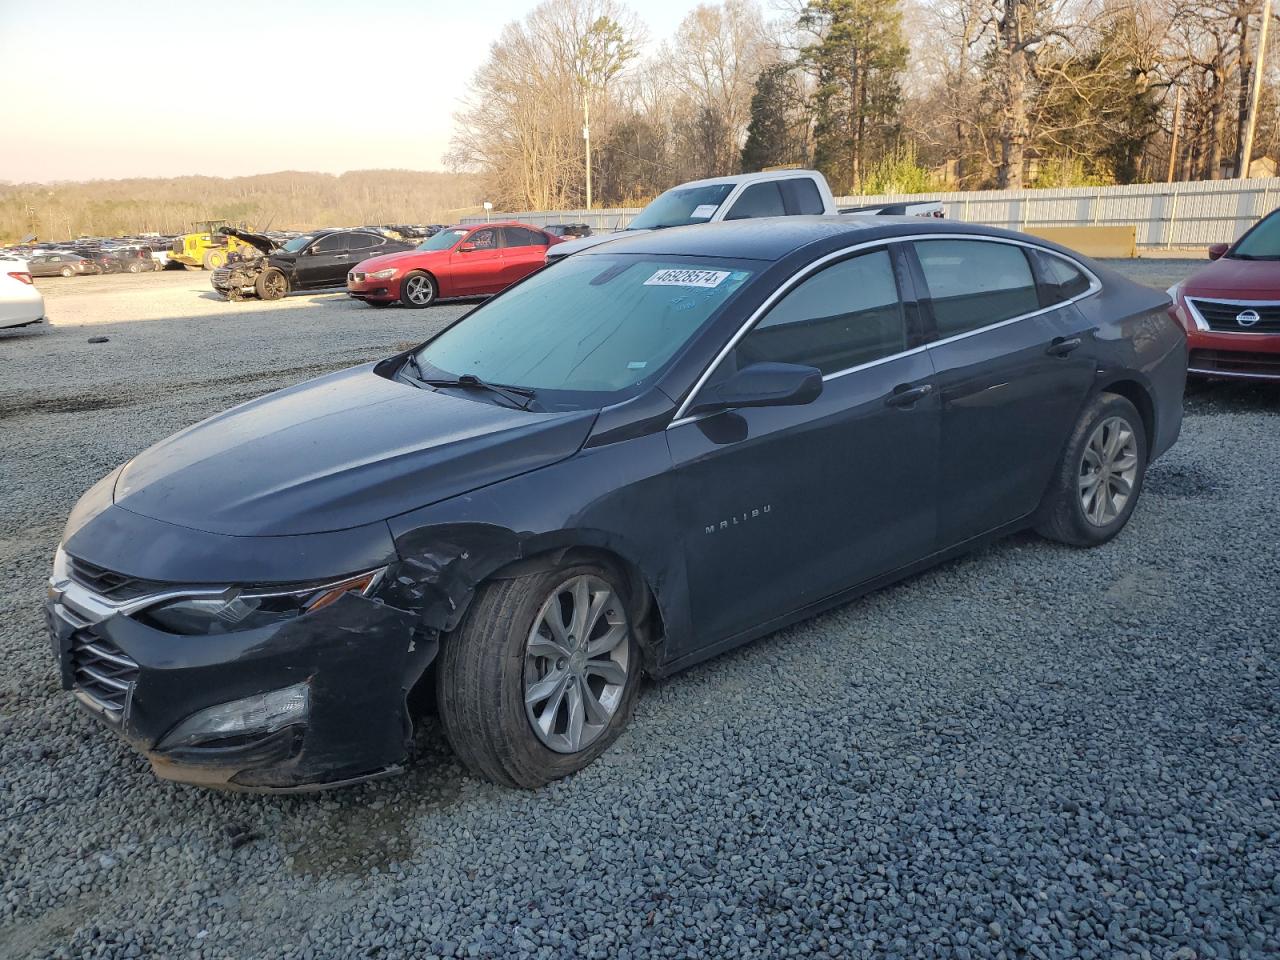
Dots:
(66, 271)
(135, 267)
(418, 290)
(271, 285)
(1100, 477)
(541, 676)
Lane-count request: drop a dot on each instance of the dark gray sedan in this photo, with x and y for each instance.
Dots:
(639, 457)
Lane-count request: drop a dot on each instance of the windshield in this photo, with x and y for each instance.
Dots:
(682, 206)
(1262, 242)
(297, 244)
(442, 240)
(594, 324)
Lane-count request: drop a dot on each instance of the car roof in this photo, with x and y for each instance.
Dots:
(747, 178)
(772, 238)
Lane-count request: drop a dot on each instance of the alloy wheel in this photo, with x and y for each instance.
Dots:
(576, 664)
(275, 284)
(417, 290)
(1108, 471)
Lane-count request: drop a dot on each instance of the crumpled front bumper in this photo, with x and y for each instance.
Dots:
(360, 658)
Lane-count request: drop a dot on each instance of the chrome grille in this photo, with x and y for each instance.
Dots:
(107, 583)
(102, 671)
(1225, 316)
(221, 276)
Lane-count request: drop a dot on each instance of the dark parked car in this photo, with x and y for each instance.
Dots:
(136, 259)
(312, 261)
(568, 231)
(631, 461)
(62, 264)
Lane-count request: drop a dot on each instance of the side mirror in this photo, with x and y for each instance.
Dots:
(762, 385)
(1216, 250)
(467, 248)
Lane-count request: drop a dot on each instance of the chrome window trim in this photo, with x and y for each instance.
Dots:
(1203, 324)
(1095, 285)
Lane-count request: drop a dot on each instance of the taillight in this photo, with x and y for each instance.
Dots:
(24, 277)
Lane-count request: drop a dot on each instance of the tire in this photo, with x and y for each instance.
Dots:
(67, 272)
(418, 289)
(378, 303)
(485, 671)
(135, 267)
(271, 285)
(1082, 513)
(214, 259)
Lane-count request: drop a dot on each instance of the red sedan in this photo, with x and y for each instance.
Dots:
(470, 261)
(1231, 308)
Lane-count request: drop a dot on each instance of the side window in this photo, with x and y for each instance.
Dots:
(1062, 279)
(361, 241)
(758, 200)
(975, 283)
(522, 237)
(802, 196)
(486, 239)
(332, 243)
(845, 315)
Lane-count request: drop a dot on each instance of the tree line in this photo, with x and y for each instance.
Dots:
(880, 95)
(285, 201)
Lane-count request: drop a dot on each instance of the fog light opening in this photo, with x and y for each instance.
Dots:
(261, 714)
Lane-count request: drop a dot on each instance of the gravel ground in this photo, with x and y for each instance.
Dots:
(1030, 752)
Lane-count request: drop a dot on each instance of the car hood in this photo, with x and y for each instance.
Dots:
(333, 453)
(258, 240)
(405, 258)
(1247, 279)
(569, 247)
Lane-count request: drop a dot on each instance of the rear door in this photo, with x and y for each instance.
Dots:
(361, 246)
(523, 251)
(785, 506)
(476, 263)
(1012, 374)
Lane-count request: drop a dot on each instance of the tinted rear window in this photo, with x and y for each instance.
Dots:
(975, 283)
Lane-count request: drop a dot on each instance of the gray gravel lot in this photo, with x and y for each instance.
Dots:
(1030, 752)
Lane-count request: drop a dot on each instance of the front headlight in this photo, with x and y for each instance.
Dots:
(383, 274)
(248, 608)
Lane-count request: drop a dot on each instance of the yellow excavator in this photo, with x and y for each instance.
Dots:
(206, 246)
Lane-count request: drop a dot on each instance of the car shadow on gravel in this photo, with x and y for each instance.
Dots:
(1209, 397)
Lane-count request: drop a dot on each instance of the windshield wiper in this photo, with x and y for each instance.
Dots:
(519, 396)
(522, 397)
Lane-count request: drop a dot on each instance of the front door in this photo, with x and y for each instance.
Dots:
(476, 264)
(1012, 376)
(785, 506)
(325, 262)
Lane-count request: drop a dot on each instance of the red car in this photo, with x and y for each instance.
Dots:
(1231, 308)
(470, 261)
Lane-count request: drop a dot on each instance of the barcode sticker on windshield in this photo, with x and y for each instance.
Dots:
(704, 211)
(687, 278)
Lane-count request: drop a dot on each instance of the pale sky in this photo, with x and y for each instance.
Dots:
(107, 89)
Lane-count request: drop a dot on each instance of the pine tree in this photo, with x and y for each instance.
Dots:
(857, 60)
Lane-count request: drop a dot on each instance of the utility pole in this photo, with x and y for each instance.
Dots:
(586, 136)
(1177, 128)
(1246, 151)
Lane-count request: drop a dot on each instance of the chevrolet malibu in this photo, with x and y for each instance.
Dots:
(633, 460)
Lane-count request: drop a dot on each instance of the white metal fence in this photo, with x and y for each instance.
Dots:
(1166, 214)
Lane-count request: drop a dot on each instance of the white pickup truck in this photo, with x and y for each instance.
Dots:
(774, 193)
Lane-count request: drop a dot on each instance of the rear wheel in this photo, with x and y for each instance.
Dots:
(1100, 477)
(418, 289)
(271, 285)
(214, 259)
(66, 272)
(135, 266)
(541, 676)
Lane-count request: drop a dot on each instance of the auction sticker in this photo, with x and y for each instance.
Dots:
(674, 277)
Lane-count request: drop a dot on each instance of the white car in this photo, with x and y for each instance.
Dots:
(20, 302)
